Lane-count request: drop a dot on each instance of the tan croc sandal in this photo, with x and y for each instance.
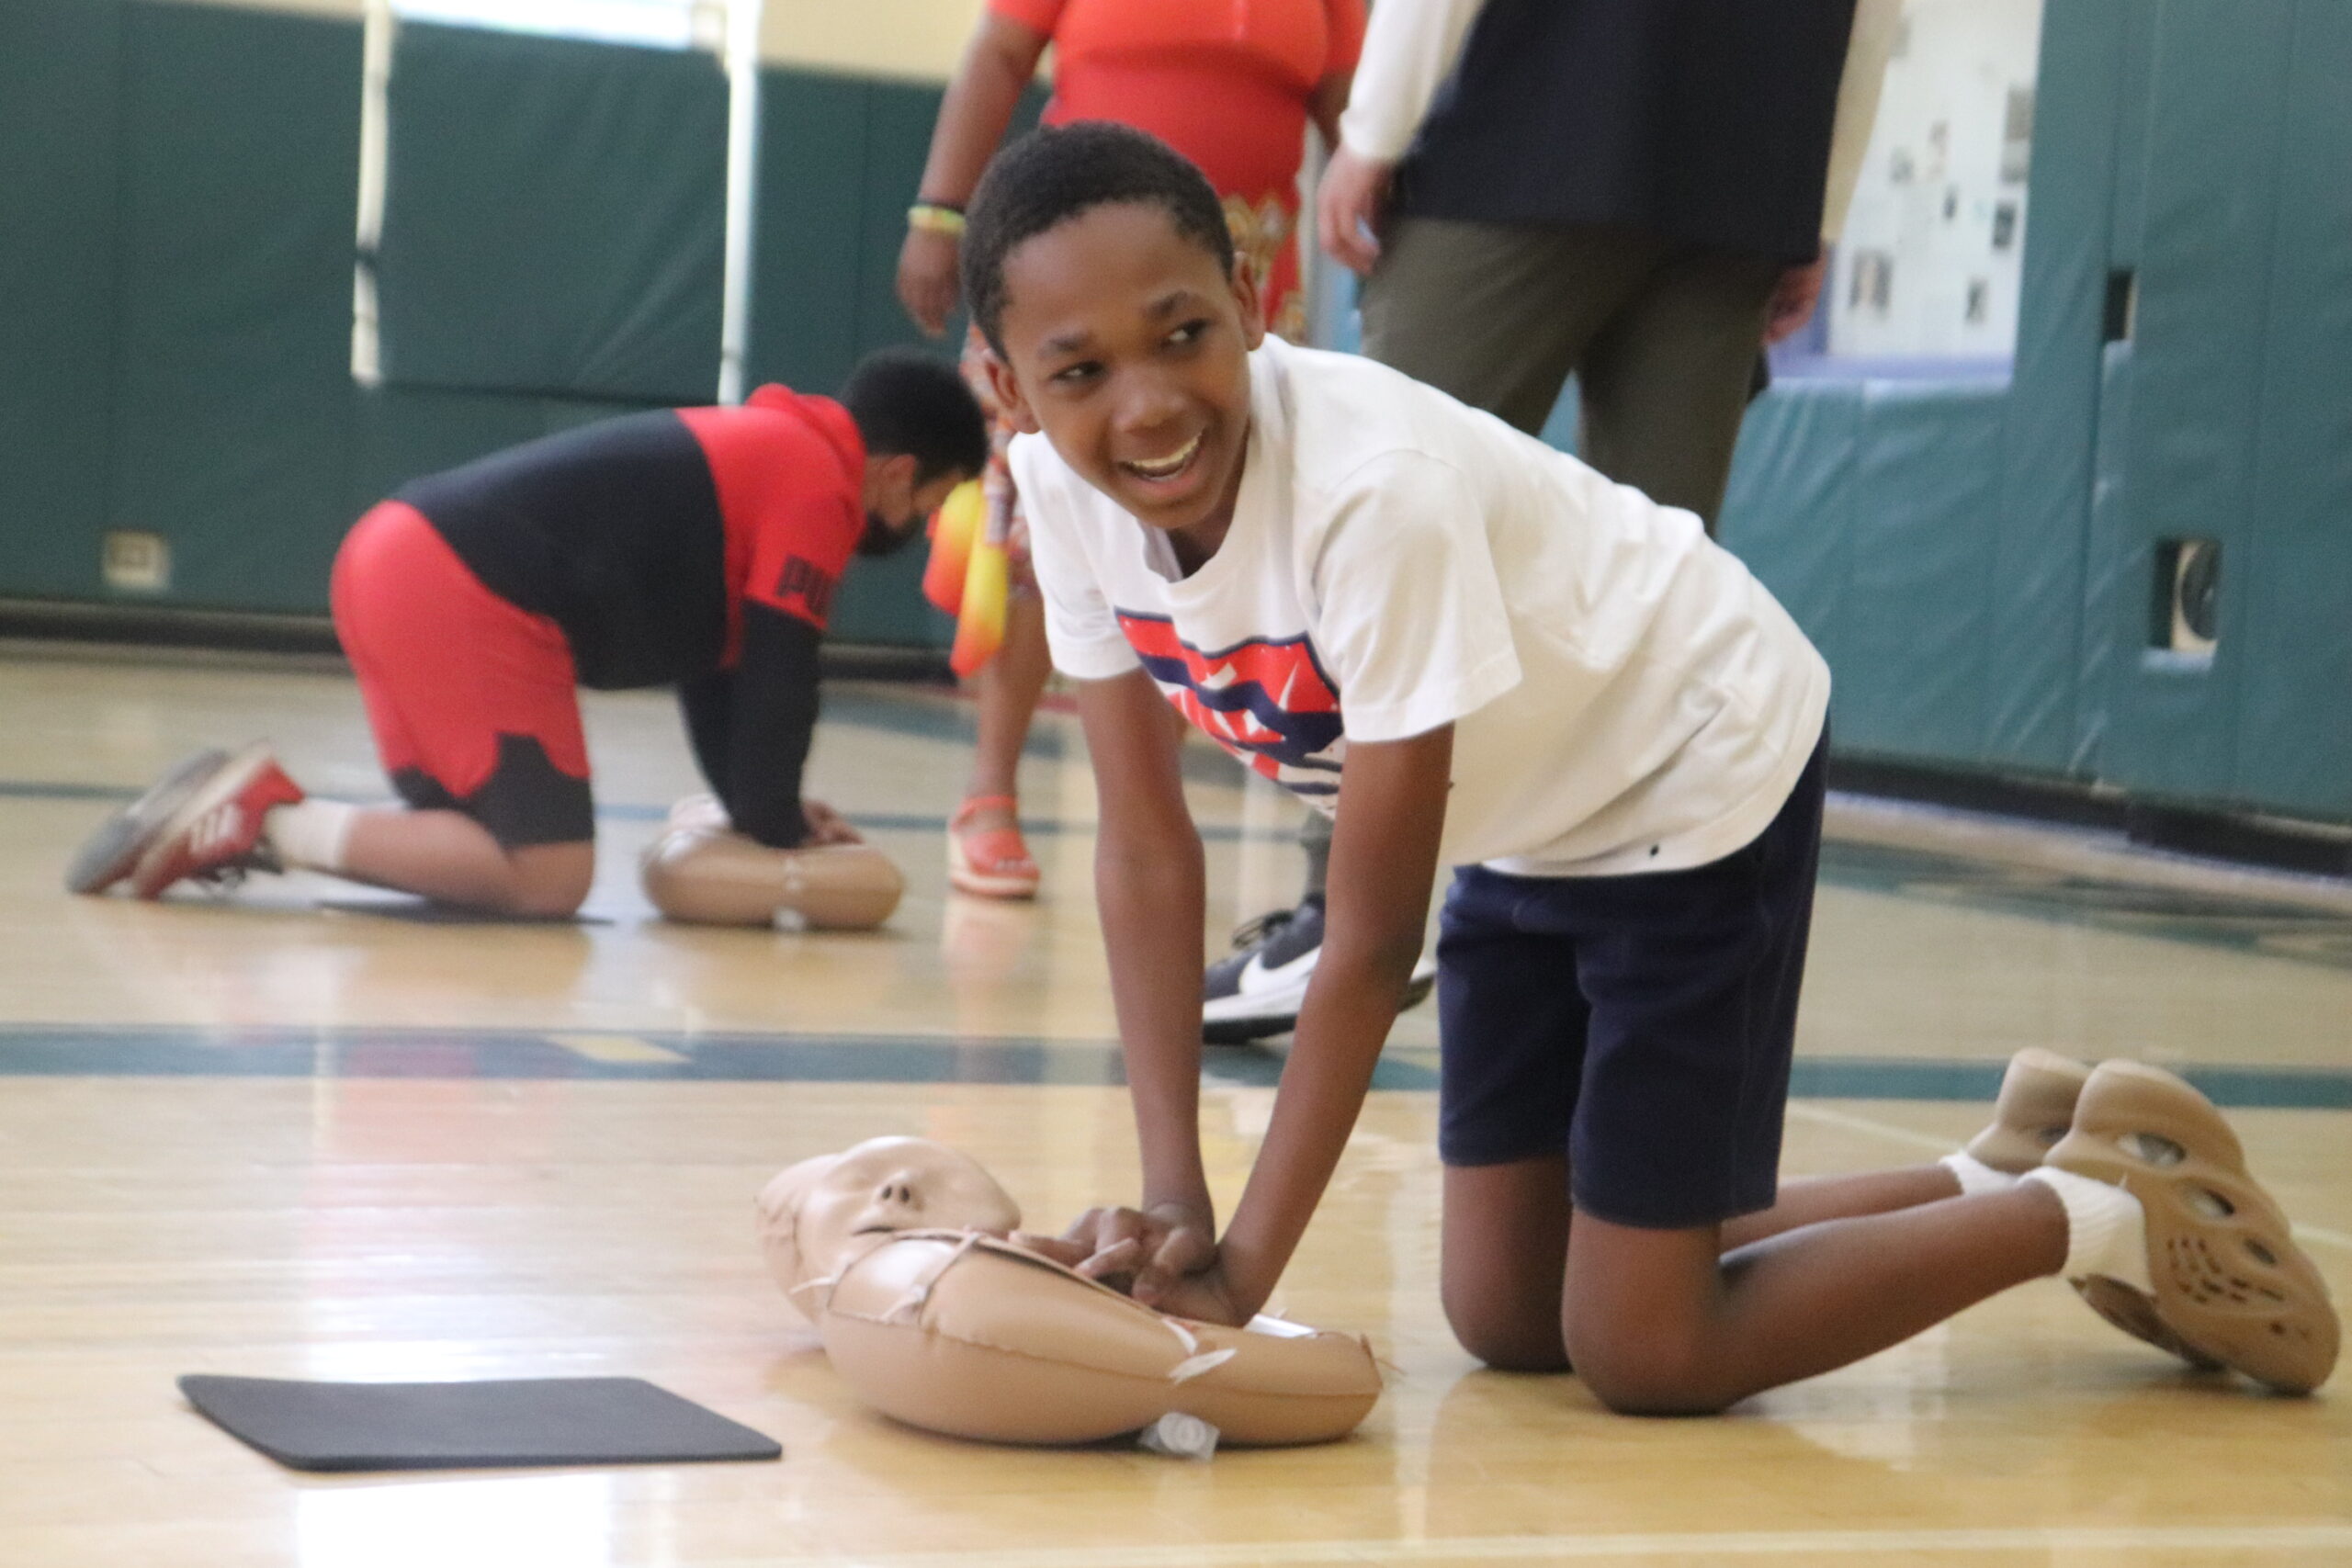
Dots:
(993, 863)
(2035, 1108)
(2232, 1288)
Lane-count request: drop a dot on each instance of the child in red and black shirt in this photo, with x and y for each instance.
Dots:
(693, 547)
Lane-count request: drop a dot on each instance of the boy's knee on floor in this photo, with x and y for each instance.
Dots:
(550, 882)
(541, 904)
(1635, 1371)
(1640, 1316)
(1507, 1337)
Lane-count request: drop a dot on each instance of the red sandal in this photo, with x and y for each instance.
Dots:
(991, 864)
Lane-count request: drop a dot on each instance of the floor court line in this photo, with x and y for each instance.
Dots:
(35, 1050)
(616, 1048)
(1823, 1116)
(2189, 1539)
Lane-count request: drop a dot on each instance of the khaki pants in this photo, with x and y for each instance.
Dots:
(1661, 335)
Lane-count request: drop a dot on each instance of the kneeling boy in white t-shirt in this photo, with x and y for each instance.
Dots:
(1478, 652)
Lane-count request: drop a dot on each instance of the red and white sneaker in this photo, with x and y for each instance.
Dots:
(106, 856)
(217, 832)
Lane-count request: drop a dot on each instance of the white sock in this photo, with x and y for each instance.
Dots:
(1974, 1176)
(310, 833)
(2107, 1230)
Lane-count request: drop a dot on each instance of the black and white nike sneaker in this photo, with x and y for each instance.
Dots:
(1256, 990)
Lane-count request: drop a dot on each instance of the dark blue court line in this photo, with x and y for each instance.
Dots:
(32, 789)
(29, 1051)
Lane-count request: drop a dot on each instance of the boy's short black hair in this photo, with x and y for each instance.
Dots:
(904, 400)
(1046, 179)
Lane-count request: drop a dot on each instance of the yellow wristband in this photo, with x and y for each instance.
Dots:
(933, 218)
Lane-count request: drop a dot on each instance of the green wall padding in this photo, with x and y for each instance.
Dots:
(406, 432)
(1979, 564)
(804, 326)
(899, 118)
(840, 159)
(60, 62)
(554, 217)
(834, 195)
(1927, 464)
(2035, 625)
(2127, 33)
(1790, 509)
(2295, 679)
(2106, 557)
(2216, 121)
(232, 375)
(881, 601)
(1863, 506)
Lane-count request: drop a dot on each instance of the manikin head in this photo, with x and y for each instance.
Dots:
(924, 435)
(817, 1215)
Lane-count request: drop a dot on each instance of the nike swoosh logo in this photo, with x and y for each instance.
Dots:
(1256, 977)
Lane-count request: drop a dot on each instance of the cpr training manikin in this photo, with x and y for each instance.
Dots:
(894, 1250)
(701, 872)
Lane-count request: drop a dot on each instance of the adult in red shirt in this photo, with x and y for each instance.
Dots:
(1232, 86)
(695, 548)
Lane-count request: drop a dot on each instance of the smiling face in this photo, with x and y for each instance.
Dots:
(817, 1215)
(1129, 346)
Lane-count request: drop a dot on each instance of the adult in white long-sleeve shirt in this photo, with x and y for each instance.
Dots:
(1634, 191)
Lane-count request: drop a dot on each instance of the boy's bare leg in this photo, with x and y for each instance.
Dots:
(1663, 1323)
(1503, 1247)
(450, 858)
(1005, 692)
(1809, 1200)
(1505, 1243)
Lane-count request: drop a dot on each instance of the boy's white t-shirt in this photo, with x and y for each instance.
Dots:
(1626, 696)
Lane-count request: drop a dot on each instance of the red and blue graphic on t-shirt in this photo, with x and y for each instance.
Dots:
(1267, 701)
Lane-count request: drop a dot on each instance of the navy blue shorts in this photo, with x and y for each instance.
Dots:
(1642, 1025)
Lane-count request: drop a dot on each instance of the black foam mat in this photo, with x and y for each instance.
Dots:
(471, 1425)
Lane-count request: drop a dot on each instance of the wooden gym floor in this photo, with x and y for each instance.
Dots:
(304, 1131)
